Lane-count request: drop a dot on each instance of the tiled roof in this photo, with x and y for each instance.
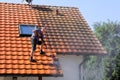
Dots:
(17, 64)
(67, 32)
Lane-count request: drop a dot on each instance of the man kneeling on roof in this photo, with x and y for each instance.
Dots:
(37, 38)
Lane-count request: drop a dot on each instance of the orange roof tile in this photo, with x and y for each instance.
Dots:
(17, 63)
(67, 32)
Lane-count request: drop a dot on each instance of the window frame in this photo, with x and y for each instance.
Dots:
(23, 34)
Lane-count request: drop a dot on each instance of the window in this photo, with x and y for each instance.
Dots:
(14, 78)
(39, 78)
(26, 30)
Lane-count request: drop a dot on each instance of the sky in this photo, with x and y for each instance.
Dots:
(92, 10)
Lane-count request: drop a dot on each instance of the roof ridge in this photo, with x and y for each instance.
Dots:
(55, 6)
(38, 5)
(10, 3)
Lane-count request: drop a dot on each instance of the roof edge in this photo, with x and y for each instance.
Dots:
(83, 54)
(32, 75)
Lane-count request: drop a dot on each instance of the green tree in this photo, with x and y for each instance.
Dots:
(108, 34)
(116, 71)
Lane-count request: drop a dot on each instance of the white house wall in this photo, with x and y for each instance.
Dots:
(70, 67)
(1, 78)
(19, 78)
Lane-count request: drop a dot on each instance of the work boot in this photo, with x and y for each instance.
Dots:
(32, 60)
(41, 52)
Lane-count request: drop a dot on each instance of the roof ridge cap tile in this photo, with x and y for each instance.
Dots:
(54, 6)
(39, 5)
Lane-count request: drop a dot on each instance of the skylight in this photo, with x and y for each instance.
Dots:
(26, 30)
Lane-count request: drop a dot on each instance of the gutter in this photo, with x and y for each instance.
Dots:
(81, 77)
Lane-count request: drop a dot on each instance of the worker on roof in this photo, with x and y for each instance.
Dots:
(37, 37)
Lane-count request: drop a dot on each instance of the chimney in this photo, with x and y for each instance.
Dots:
(56, 12)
